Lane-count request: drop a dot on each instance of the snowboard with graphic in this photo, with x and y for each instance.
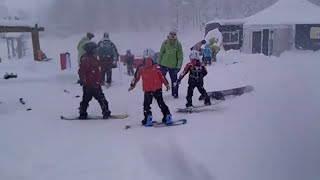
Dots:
(156, 124)
(119, 116)
(219, 95)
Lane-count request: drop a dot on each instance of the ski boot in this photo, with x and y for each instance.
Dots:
(167, 119)
(147, 121)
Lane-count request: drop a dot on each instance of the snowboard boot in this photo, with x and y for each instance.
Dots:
(207, 101)
(189, 104)
(83, 116)
(147, 121)
(167, 119)
(106, 115)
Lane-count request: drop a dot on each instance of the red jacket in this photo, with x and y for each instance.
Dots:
(152, 78)
(89, 71)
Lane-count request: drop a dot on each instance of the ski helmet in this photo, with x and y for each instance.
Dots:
(90, 35)
(90, 47)
(106, 35)
(128, 51)
(149, 53)
(194, 55)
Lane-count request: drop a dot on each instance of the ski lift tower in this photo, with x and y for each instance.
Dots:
(19, 26)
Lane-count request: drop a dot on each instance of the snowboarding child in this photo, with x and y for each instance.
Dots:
(152, 80)
(90, 79)
(206, 55)
(128, 61)
(196, 74)
(107, 52)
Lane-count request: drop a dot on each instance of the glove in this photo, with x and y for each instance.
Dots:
(177, 82)
(167, 87)
(130, 88)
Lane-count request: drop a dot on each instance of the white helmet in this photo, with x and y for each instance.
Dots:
(149, 53)
(194, 55)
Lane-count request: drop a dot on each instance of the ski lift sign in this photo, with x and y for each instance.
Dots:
(315, 33)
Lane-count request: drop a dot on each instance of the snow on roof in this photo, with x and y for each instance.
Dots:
(285, 12)
(13, 22)
(228, 21)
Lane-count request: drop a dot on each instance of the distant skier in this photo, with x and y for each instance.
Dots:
(196, 74)
(152, 80)
(107, 52)
(90, 78)
(128, 61)
(206, 55)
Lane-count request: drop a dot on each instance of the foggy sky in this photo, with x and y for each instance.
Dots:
(75, 16)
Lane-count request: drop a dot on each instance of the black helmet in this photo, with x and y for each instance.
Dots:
(90, 35)
(90, 47)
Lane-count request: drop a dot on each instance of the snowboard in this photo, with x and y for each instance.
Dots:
(119, 116)
(228, 92)
(195, 108)
(156, 124)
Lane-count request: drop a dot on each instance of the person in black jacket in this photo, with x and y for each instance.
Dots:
(128, 61)
(197, 72)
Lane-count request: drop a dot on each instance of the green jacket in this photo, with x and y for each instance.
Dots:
(171, 54)
(80, 48)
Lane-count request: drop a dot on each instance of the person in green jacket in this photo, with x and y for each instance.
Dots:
(80, 49)
(170, 59)
(85, 39)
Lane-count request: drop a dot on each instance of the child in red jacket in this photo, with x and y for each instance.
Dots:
(152, 80)
(197, 72)
(90, 78)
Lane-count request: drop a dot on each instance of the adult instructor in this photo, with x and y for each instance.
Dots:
(170, 59)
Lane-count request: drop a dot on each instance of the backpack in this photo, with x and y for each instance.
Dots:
(105, 50)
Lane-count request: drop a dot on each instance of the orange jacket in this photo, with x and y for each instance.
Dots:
(152, 78)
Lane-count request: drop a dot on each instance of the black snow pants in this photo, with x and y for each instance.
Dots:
(199, 86)
(107, 72)
(148, 96)
(96, 92)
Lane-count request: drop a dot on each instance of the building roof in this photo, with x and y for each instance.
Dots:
(228, 21)
(286, 12)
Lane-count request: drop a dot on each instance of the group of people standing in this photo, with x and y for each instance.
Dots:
(152, 71)
(106, 51)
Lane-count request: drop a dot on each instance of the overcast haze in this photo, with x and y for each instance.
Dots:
(75, 16)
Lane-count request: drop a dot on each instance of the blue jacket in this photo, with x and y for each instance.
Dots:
(206, 51)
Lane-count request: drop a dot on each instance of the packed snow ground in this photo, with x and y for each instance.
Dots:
(270, 133)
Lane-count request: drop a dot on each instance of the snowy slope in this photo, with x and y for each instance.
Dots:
(271, 133)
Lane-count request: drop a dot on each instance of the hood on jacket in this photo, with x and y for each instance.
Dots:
(148, 62)
(105, 39)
